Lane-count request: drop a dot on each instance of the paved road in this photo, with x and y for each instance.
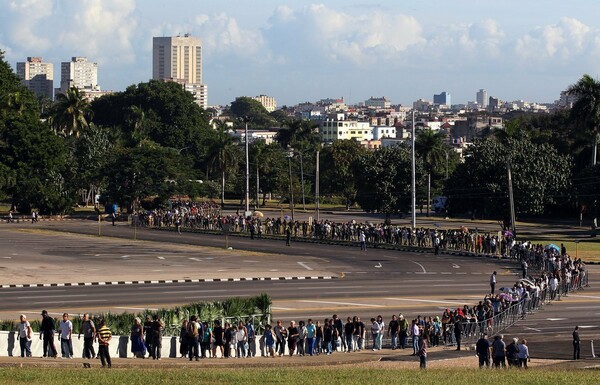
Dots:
(376, 282)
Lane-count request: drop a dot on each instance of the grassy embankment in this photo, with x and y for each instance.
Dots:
(301, 375)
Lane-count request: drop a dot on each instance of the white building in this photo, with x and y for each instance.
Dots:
(380, 132)
(332, 130)
(37, 76)
(78, 73)
(377, 103)
(482, 98)
(268, 102)
(179, 59)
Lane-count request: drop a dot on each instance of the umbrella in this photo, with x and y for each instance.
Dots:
(258, 214)
(287, 218)
(464, 228)
(552, 246)
(508, 233)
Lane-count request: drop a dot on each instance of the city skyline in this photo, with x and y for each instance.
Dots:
(306, 51)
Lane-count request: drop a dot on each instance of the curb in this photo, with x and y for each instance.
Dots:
(160, 281)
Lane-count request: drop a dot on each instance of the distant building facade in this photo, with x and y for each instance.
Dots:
(268, 102)
(37, 76)
(442, 99)
(482, 98)
(378, 103)
(179, 59)
(79, 73)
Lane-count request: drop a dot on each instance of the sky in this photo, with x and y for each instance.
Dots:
(299, 51)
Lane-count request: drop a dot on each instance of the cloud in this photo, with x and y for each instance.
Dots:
(221, 34)
(565, 40)
(318, 31)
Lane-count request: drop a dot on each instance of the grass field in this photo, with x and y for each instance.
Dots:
(587, 250)
(306, 375)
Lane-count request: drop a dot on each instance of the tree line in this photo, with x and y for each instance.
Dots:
(140, 147)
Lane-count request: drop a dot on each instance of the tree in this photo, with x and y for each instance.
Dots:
(340, 166)
(71, 112)
(298, 133)
(245, 107)
(586, 110)
(223, 154)
(270, 165)
(479, 185)
(383, 180)
(430, 146)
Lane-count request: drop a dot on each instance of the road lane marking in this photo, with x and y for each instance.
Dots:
(417, 263)
(304, 265)
(359, 292)
(281, 308)
(556, 319)
(160, 257)
(454, 265)
(534, 329)
(340, 303)
(196, 259)
(215, 296)
(584, 296)
(53, 296)
(78, 301)
(424, 300)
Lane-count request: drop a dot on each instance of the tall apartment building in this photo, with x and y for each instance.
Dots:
(37, 76)
(482, 98)
(268, 102)
(179, 59)
(78, 73)
(442, 99)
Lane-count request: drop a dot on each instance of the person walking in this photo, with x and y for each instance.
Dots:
(104, 337)
(422, 352)
(482, 349)
(493, 282)
(24, 336)
(288, 235)
(66, 332)
(523, 354)
(148, 335)
(576, 343)
(363, 241)
(47, 333)
(499, 352)
(137, 339)
(88, 329)
(157, 330)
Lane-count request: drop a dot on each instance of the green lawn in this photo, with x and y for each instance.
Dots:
(300, 375)
(588, 250)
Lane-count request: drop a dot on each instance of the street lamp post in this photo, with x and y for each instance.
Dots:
(413, 176)
(246, 119)
(302, 182)
(289, 156)
(317, 187)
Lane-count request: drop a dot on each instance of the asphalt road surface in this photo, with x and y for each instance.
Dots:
(366, 283)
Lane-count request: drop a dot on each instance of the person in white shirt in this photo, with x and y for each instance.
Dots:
(66, 343)
(24, 337)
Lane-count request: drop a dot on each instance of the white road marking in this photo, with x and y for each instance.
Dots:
(358, 292)
(45, 290)
(251, 261)
(52, 296)
(556, 319)
(281, 308)
(304, 265)
(534, 329)
(7, 257)
(340, 303)
(124, 256)
(378, 266)
(417, 263)
(79, 301)
(160, 257)
(582, 307)
(215, 296)
(425, 300)
(454, 265)
(273, 270)
(196, 259)
(584, 296)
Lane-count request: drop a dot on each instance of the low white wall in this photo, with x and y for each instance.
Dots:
(120, 346)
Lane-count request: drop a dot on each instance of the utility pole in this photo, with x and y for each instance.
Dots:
(302, 183)
(247, 167)
(317, 187)
(290, 154)
(413, 179)
(510, 197)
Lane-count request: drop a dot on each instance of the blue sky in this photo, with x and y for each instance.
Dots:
(302, 51)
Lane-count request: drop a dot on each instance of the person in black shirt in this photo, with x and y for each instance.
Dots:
(393, 329)
(228, 336)
(348, 333)
(47, 332)
(482, 349)
(292, 337)
(337, 324)
(458, 330)
(148, 335)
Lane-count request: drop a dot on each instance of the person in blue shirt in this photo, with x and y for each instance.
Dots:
(251, 338)
(311, 331)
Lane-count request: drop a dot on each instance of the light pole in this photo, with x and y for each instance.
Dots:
(317, 187)
(302, 182)
(510, 197)
(290, 154)
(413, 176)
(246, 120)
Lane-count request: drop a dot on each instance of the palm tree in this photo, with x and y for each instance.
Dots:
(586, 110)
(70, 113)
(222, 154)
(430, 146)
(137, 120)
